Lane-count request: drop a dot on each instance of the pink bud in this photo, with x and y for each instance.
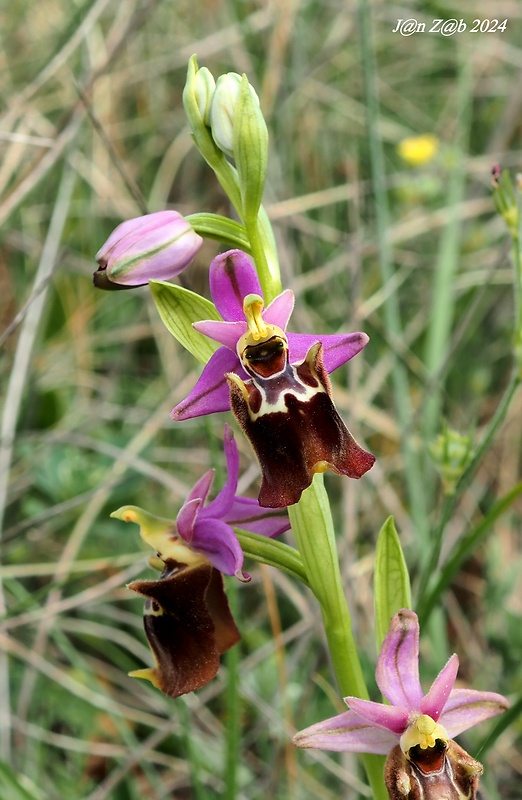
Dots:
(155, 246)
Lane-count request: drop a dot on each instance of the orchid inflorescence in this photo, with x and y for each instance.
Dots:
(276, 383)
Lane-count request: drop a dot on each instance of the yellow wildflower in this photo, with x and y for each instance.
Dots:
(418, 150)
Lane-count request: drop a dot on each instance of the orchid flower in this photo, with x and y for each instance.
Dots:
(158, 245)
(232, 277)
(276, 383)
(187, 619)
(415, 730)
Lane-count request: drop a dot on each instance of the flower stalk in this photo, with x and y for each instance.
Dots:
(267, 270)
(312, 526)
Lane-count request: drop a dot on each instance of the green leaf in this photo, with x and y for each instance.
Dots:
(391, 581)
(178, 309)
(223, 229)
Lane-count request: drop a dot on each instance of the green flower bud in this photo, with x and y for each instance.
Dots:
(223, 108)
(203, 86)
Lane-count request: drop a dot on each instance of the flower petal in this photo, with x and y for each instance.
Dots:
(158, 245)
(433, 703)
(346, 732)
(467, 707)
(278, 312)
(397, 671)
(232, 276)
(202, 487)
(222, 503)
(217, 541)
(226, 333)
(295, 429)
(338, 348)
(138, 226)
(248, 514)
(136, 268)
(392, 718)
(210, 394)
(186, 519)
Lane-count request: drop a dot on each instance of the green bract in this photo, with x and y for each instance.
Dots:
(225, 230)
(250, 138)
(391, 582)
(178, 309)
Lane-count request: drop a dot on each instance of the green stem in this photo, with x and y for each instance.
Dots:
(392, 315)
(427, 594)
(191, 756)
(443, 298)
(263, 253)
(427, 597)
(272, 552)
(233, 721)
(466, 546)
(313, 529)
(517, 263)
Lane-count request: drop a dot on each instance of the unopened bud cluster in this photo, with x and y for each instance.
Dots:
(451, 452)
(219, 107)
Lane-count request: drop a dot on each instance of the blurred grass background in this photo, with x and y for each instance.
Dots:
(92, 131)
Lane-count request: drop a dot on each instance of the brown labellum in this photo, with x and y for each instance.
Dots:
(188, 625)
(288, 414)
